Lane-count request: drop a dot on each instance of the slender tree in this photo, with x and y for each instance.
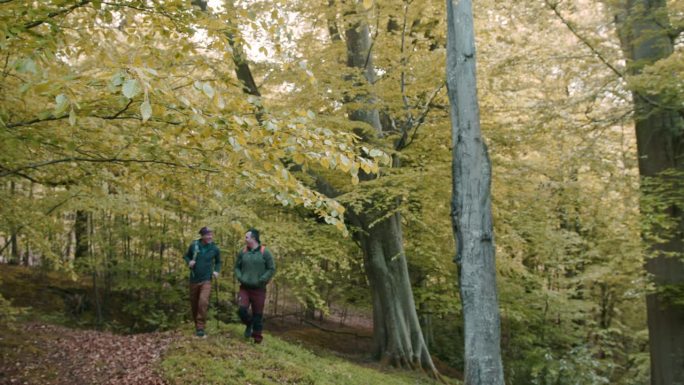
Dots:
(471, 204)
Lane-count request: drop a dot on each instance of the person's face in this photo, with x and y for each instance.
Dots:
(208, 237)
(251, 242)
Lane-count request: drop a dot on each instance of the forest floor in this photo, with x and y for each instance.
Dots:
(40, 348)
(40, 353)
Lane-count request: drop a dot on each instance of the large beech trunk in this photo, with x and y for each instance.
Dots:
(643, 28)
(398, 339)
(396, 328)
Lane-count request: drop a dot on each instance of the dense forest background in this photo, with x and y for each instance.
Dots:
(126, 125)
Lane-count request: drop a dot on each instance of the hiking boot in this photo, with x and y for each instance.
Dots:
(248, 331)
(257, 337)
(200, 333)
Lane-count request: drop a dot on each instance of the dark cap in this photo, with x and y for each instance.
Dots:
(205, 230)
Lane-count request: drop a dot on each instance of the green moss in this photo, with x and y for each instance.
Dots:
(228, 358)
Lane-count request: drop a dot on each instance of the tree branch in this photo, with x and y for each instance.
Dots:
(373, 39)
(54, 14)
(637, 94)
(100, 160)
(53, 118)
(404, 98)
(402, 144)
(554, 8)
(50, 211)
(38, 181)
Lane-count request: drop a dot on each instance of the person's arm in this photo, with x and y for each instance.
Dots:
(270, 267)
(238, 267)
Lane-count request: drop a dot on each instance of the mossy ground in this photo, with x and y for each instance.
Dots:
(226, 357)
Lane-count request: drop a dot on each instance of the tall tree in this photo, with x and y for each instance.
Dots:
(647, 37)
(471, 204)
(396, 327)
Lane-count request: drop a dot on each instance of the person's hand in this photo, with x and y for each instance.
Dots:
(216, 274)
(191, 264)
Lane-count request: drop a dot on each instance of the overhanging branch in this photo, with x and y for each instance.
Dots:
(54, 14)
(34, 166)
(568, 24)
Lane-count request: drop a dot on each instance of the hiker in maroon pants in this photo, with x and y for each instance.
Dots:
(254, 268)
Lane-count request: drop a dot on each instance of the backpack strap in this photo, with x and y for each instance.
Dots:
(195, 250)
(262, 249)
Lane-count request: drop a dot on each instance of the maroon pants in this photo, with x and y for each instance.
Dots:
(199, 301)
(256, 298)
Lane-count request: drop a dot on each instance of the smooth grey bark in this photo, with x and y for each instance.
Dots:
(471, 205)
(643, 28)
(397, 335)
(359, 56)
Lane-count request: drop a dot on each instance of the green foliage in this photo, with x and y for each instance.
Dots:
(578, 367)
(149, 306)
(8, 313)
(673, 295)
(662, 195)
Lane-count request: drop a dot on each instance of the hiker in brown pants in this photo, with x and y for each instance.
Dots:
(204, 260)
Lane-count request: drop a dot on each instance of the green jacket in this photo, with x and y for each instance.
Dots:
(254, 269)
(207, 260)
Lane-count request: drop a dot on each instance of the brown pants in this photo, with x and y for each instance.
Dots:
(199, 301)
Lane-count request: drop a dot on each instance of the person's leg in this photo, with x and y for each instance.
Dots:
(243, 310)
(203, 304)
(194, 297)
(258, 300)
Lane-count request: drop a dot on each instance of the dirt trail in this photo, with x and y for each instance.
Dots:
(50, 354)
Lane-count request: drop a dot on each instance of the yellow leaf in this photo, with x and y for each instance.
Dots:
(345, 163)
(298, 158)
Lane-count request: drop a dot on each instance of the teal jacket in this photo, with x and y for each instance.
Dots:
(253, 268)
(207, 260)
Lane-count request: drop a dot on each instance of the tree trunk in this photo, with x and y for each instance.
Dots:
(359, 55)
(643, 31)
(397, 335)
(14, 236)
(81, 232)
(471, 205)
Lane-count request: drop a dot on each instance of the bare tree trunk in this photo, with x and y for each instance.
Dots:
(397, 335)
(471, 205)
(14, 236)
(643, 28)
